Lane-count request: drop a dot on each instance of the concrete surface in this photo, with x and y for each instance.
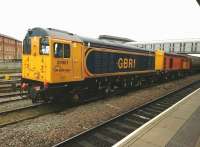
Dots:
(177, 127)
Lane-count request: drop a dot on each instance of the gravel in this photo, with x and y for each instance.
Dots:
(12, 105)
(52, 128)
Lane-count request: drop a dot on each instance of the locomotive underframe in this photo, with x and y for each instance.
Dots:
(95, 87)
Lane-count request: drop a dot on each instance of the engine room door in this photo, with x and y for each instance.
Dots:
(77, 61)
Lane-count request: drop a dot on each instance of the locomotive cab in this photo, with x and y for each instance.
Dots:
(49, 60)
(36, 59)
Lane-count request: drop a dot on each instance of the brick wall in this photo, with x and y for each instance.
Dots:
(10, 48)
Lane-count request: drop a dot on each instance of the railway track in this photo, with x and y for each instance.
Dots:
(14, 103)
(27, 112)
(16, 107)
(10, 88)
(112, 131)
(12, 75)
(12, 99)
(15, 115)
(9, 85)
(11, 94)
(2, 82)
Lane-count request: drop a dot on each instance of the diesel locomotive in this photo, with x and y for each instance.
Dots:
(57, 63)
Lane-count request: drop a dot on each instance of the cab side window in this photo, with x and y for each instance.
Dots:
(58, 50)
(27, 46)
(66, 51)
(61, 50)
(44, 46)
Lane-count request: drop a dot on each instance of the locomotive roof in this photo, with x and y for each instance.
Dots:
(87, 41)
(53, 33)
(115, 38)
(110, 45)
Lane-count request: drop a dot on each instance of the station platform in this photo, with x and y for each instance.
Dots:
(178, 126)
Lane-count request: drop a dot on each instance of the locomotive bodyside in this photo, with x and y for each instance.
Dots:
(104, 62)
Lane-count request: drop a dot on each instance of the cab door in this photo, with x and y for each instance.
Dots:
(77, 61)
(62, 61)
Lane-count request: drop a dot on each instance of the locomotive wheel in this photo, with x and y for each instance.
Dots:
(33, 95)
(46, 98)
(88, 95)
(76, 98)
(37, 96)
(83, 95)
(72, 99)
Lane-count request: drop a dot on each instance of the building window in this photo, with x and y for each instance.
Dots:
(183, 47)
(195, 47)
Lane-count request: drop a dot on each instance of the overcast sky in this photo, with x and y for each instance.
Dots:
(135, 19)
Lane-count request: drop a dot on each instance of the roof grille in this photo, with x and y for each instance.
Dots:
(115, 39)
(61, 31)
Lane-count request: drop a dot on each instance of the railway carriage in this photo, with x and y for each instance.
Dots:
(57, 63)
